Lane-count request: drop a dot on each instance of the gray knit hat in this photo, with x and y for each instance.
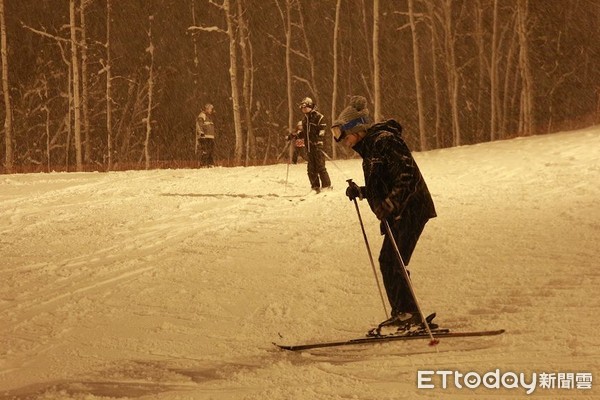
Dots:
(355, 117)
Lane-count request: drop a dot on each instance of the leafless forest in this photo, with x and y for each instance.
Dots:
(117, 84)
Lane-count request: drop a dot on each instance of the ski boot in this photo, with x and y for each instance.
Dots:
(402, 324)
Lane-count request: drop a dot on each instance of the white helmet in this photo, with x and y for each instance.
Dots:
(307, 102)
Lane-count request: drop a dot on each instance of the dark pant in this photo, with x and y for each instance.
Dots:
(298, 151)
(207, 148)
(317, 173)
(406, 232)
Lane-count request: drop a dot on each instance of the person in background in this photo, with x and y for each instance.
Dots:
(313, 133)
(396, 193)
(298, 144)
(205, 136)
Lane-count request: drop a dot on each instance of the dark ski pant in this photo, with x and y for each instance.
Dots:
(207, 148)
(298, 151)
(317, 173)
(406, 232)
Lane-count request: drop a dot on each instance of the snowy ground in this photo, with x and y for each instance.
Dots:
(172, 284)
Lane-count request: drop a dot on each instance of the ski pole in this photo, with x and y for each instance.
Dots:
(285, 148)
(335, 164)
(388, 230)
(362, 226)
(287, 174)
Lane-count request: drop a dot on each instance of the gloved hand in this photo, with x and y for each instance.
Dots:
(384, 209)
(353, 191)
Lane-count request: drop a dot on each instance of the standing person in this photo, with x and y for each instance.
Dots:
(396, 193)
(313, 133)
(298, 143)
(205, 136)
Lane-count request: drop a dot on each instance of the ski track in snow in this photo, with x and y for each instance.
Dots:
(172, 284)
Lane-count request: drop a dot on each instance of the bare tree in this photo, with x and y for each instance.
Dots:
(417, 71)
(451, 68)
(376, 63)
(433, 18)
(287, 23)
(85, 83)
(76, 83)
(483, 64)
(527, 107)
(494, 74)
(148, 118)
(334, 89)
(8, 125)
(235, 97)
(367, 80)
(511, 68)
(246, 49)
(108, 68)
(312, 85)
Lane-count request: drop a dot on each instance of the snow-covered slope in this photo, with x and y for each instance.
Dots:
(172, 284)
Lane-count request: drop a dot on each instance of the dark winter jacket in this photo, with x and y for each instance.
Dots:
(313, 128)
(392, 173)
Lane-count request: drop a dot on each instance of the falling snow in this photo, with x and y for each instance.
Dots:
(173, 284)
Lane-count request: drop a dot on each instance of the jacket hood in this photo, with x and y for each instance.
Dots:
(390, 125)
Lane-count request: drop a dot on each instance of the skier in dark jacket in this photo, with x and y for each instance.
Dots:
(313, 133)
(395, 191)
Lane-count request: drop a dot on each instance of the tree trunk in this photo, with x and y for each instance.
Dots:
(235, 97)
(150, 49)
(510, 60)
(309, 55)
(452, 71)
(8, 161)
(69, 117)
(436, 86)
(480, 106)
(376, 63)
(76, 89)
(85, 86)
(247, 84)
(108, 87)
(368, 80)
(47, 111)
(334, 89)
(494, 75)
(287, 23)
(525, 68)
(417, 71)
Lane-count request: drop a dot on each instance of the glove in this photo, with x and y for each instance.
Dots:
(384, 209)
(353, 191)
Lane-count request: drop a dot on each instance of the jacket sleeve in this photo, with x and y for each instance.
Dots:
(322, 126)
(316, 128)
(199, 125)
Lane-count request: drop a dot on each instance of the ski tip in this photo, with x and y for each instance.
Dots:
(283, 347)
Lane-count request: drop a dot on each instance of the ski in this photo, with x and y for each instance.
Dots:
(438, 334)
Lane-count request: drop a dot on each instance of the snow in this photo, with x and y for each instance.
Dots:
(172, 284)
